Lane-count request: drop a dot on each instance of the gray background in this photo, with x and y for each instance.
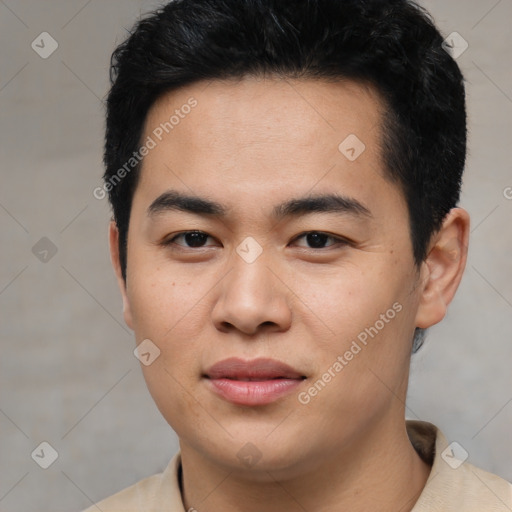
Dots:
(68, 375)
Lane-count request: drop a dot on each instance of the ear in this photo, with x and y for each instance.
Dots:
(114, 258)
(443, 268)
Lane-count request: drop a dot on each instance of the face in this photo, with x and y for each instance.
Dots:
(298, 251)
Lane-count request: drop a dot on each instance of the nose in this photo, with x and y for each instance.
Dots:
(252, 298)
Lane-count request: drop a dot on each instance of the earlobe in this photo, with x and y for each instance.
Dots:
(443, 268)
(116, 264)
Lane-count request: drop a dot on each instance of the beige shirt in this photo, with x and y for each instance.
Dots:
(453, 485)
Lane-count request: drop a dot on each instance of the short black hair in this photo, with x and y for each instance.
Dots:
(392, 45)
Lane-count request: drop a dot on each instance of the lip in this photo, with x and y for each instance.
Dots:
(257, 382)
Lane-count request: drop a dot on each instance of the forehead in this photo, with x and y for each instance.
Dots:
(265, 110)
(257, 137)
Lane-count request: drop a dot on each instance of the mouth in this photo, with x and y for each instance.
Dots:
(257, 382)
(255, 379)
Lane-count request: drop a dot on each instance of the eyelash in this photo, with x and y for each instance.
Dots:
(338, 240)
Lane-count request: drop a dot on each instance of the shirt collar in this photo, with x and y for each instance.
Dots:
(452, 486)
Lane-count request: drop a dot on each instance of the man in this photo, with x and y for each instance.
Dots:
(284, 178)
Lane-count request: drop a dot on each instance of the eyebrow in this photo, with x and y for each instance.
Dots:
(326, 203)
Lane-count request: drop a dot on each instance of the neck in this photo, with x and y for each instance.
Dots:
(378, 470)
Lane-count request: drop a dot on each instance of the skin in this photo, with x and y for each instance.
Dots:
(250, 145)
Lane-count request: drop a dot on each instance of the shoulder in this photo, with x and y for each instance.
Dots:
(454, 484)
(150, 494)
(131, 498)
(471, 489)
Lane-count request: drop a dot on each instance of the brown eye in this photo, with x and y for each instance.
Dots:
(318, 240)
(191, 239)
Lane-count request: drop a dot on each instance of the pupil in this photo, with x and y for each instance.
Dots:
(195, 239)
(316, 240)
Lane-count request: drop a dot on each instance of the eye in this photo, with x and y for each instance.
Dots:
(313, 239)
(318, 240)
(191, 239)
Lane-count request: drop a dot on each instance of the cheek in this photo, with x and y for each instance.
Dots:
(173, 394)
(163, 303)
(168, 311)
(350, 299)
(170, 314)
(369, 316)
